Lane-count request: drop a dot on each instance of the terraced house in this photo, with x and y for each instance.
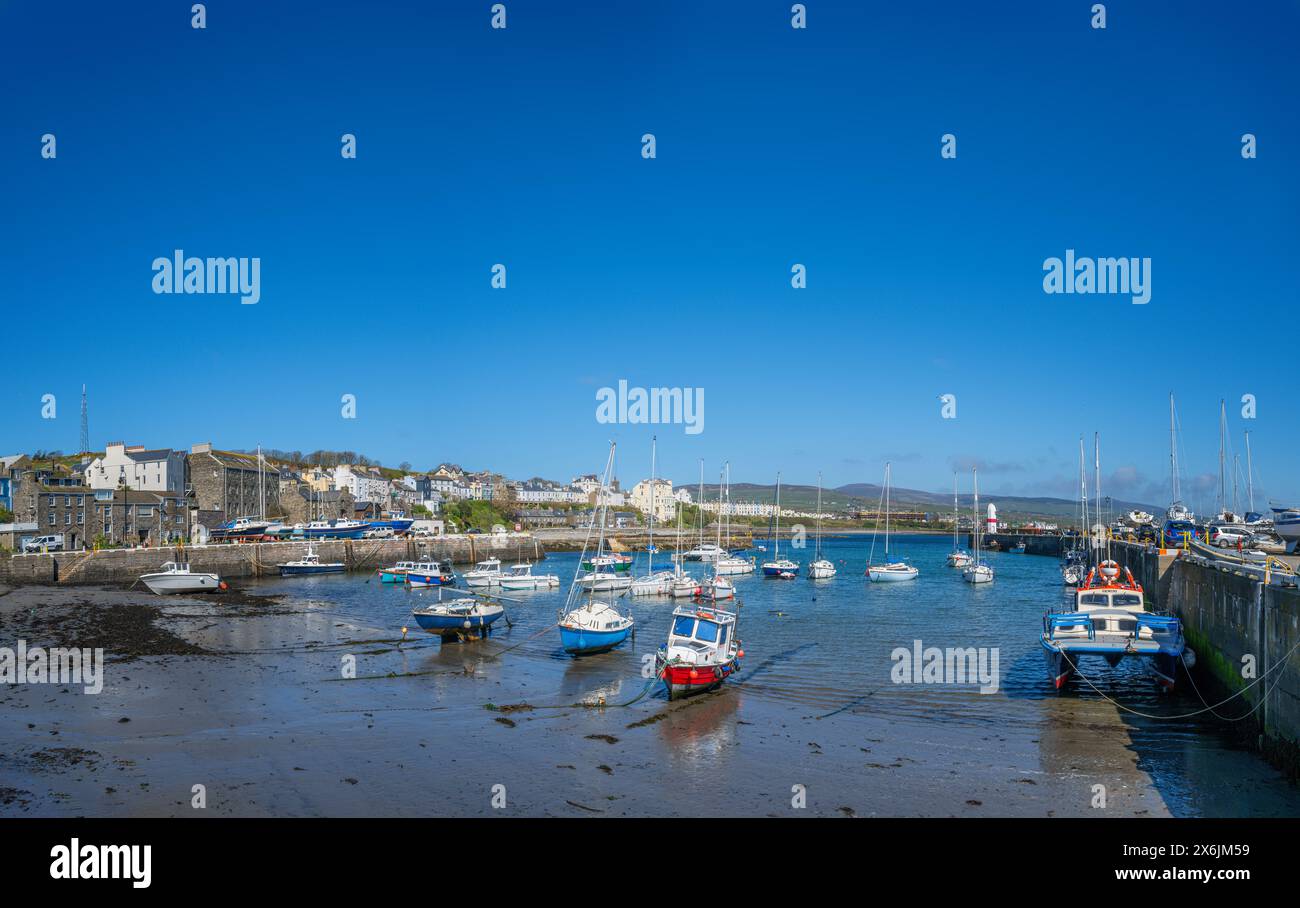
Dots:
(113, 516)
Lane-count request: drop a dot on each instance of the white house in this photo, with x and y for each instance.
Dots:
(134, 467)
(363, 486)
(661, 494)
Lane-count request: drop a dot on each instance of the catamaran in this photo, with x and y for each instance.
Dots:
(701, 652)
(958, 557)
(977, 571)
(778, 566)
(889, 571)
(594, 626)
(821, 568)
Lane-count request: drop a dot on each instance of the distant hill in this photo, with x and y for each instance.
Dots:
(866, 495)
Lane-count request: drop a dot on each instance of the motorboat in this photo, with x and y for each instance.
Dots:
(396, 573)
(430, 573)
(702, 651)
(521, 577)
(1109, 619)
(176, 577)
(310, 563)
(485, 573)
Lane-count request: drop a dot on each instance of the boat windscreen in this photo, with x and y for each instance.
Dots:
(707, 631)
(1126, 599)
(683, 625)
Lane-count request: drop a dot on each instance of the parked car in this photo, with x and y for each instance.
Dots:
(44, 544)
(1230, 537)
(1174, 531)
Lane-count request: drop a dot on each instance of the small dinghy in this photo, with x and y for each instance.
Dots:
(176, 577)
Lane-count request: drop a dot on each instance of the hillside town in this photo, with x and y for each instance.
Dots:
(132, 495)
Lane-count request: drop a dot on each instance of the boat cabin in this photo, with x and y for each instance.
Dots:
(704, 631)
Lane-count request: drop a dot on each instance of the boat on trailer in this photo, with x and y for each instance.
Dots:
(701, 652)
(1110, 620)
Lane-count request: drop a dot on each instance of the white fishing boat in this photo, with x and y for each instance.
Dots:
(977, 571)
(820, 568)
(958, 557)
(890, 571)
(778, 566)
(311, 564)
(486, 573)
(521, 577)
(176, 577)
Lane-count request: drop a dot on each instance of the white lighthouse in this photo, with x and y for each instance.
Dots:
(991, 524)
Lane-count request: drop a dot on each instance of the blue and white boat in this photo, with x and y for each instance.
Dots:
(890, 571)
(464, 617)
(594, 626)
(1110, 620)
(430, 573)
(311, 564)
(334, 529)
(1286, 524)
(398, 525)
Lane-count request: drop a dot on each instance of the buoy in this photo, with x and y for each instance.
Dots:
(740, 654)
(694, 673)
(223, 585)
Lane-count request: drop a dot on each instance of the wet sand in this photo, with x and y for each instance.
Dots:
(242, 694)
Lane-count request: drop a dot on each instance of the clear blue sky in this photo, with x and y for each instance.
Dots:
(775, 146)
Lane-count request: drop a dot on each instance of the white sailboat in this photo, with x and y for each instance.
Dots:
(730, 564)
(958, 557)
(718, 586)
(778, 566)
(653, 583)
(977, 571)
(889, 571)
(821, 568)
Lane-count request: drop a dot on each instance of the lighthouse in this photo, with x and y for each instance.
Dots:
(991, 524)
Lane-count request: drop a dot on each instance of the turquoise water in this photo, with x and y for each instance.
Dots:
(818, 667)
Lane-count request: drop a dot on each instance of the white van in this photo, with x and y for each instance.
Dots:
(44, 544)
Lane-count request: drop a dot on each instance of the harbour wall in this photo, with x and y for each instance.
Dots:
(230, 560)
(1246, 636)
(1035, 543)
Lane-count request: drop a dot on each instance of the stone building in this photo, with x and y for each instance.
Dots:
(117, 516)
(304, 504)
(229, 485)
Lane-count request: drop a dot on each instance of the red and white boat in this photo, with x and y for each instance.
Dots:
(702, 651)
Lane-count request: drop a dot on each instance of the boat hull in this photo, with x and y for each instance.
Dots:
(392, 576)
(771, 570)
(290, 570)
(688, 680)
(416, 579)
(877, 575)
(333, 533)
(580, 642)
(168, 584)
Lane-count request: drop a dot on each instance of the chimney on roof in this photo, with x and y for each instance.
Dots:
(204, 447)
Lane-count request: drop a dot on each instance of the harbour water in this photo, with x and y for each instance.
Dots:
(813, 723)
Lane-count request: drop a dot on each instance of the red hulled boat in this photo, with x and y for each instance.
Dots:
(702, 651)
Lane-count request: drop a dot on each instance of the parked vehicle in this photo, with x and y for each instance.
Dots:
(52, 543)
(1227, 537)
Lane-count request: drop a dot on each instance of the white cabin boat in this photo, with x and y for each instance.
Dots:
(176, 577)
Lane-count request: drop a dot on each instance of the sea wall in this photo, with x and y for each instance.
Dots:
(258, 559)
(1035, 543)
(1246, 636)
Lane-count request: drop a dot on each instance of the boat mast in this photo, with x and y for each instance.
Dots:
(717, 556)
(1236, 468)
(726, 471)
(654, 441)
(818, 556)
(261, 487)
(1083, 494)
(955, 518)
(1173, 453)
(1250, 479)
(975, 510)
(777, 537)
(886, 512)
(1096, 462)
(701, 521)
(1223, 487)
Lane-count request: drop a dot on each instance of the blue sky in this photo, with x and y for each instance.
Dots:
(774, 146)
